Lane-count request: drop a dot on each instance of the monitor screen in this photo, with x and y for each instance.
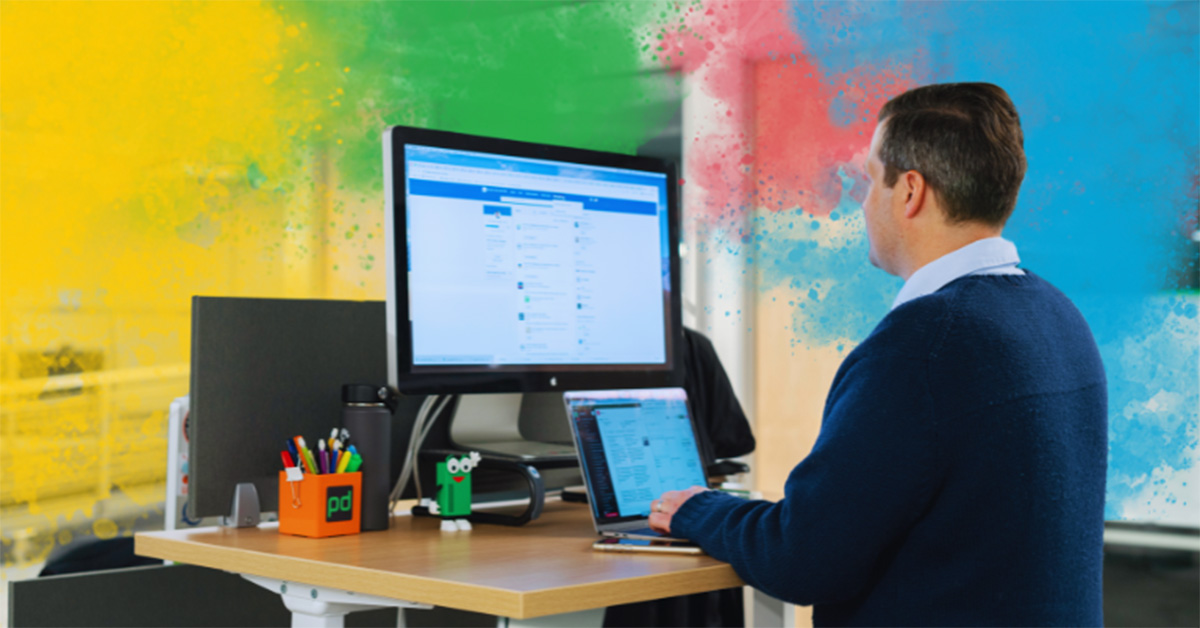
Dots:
(526, 261)
(516, 258)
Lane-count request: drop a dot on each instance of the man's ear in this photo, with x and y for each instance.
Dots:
(913, 186)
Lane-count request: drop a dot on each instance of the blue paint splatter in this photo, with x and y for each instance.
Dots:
(1110, 104)
(856, 295)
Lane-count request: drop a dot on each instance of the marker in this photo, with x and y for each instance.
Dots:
(353, 450)
(312, 460)
(306, 455)
(291, 447)
(332, 437)
(355, 463)
(323, 457)
(343, 462)
(287, 460)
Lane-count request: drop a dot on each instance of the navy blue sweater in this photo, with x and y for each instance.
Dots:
(958, 478)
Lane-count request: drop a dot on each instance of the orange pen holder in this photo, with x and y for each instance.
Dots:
(320, 505)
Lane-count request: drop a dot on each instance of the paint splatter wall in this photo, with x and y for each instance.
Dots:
(153, 151)
(1109, 97)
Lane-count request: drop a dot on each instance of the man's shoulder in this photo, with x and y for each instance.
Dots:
(1008, 309)
(988, 300)
(980, 317)
(1006, 336)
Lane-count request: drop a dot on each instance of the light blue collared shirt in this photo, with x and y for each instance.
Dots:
(989, 256)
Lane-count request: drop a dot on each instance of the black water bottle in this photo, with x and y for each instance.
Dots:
(367, 415)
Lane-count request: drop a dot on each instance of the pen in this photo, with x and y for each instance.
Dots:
(322, 456)
(291, 447)
(287, 460)
(297, 446)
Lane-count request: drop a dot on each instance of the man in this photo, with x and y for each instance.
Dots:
(958, 478)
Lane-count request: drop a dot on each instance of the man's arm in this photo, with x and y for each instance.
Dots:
(868, 479)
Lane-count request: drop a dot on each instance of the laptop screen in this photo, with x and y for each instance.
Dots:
(634, 445)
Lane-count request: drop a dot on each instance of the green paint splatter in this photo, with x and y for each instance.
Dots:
(560, 73)
(255, 176)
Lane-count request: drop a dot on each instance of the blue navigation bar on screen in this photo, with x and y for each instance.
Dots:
(508, 163)
(422, 187)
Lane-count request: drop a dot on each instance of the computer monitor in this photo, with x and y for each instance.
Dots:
(520, 267)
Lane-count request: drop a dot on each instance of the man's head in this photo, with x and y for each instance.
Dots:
(945, 165)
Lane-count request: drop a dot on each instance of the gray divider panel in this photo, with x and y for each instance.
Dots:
(263, 371)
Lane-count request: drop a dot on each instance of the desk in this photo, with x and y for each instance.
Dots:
(545, 567)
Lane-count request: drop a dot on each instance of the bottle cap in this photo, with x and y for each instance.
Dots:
(364, 393)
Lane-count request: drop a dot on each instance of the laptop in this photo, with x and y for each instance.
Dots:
(633, 446)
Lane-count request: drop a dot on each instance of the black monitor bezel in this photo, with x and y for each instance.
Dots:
(534, 378)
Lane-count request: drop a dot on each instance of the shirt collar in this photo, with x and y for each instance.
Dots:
(979, 256)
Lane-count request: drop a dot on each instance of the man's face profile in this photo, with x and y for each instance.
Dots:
(877, 208)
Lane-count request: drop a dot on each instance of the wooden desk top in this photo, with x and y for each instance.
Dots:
(542, 568)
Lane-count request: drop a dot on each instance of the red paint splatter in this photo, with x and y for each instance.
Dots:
(770, 139)
(799, 146)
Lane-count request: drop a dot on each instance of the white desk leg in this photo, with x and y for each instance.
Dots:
(580, 619)
(321, 607)
(764, 610)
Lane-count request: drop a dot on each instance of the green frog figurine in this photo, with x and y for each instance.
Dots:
(454, 491)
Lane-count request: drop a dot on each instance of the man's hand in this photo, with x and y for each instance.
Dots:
(664, 507)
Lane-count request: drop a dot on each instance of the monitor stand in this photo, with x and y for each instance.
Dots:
(523, 426)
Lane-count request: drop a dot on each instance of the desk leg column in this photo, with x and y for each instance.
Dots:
(314, 614)
(321, 607)
(764, 610)
(592, 618)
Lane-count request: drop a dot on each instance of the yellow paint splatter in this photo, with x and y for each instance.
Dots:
(104, 528)
(63, 537)
(183, 168)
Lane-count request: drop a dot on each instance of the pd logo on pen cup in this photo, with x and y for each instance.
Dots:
(339, 503)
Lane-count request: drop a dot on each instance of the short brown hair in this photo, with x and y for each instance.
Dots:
(965, 139)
